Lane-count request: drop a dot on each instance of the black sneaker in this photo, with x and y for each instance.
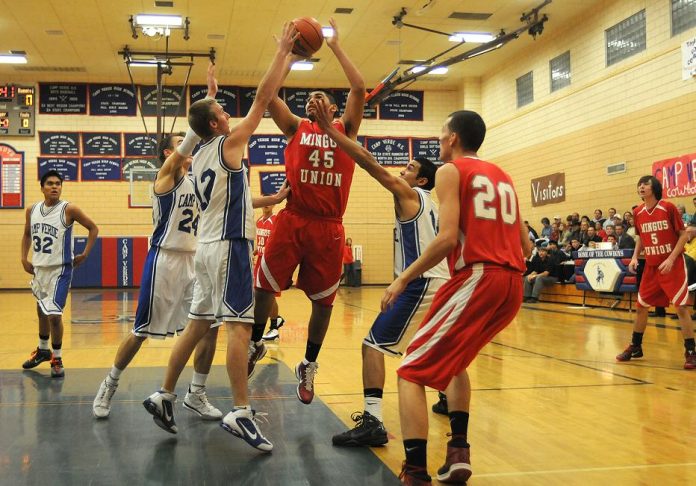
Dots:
(37, 357)
(441, 406)
(368, 431)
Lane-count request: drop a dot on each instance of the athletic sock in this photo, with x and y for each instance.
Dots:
(198, 381)
(43, 342)
(459, 422)
(637, 339)
(257, 332)
(113, 376)
(241, 407)
(416, 452)
(312, 351)
(57, 350)
(690, 344)
(373, 402)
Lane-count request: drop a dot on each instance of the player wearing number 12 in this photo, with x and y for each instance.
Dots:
(48, 232)
(481, 236)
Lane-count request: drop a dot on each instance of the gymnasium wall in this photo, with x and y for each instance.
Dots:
(636, 111)
(369, 219)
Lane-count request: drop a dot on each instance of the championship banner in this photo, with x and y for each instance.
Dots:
(689, 59)
(677, 175)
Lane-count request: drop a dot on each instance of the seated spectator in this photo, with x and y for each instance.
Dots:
(610, 218)
(591, 236)
(585, 219)
(584, 226)
(575, 245)
(555, 232)
(626, 216)
(598, 217)
(600, 231)
(609, 229)
(546, 228)
(612, 239)
(533, 235)
(540, 274)
(630, 229)
(559, 258)
(575, 217)
(623, 240)
(686, 217)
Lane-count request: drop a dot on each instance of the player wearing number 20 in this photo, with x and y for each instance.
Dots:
(48, 232)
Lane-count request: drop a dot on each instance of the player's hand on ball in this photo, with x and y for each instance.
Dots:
(79, 259)
(28, 267)
(333, 40)
(287, 38)
(392, 293)
(666, 266)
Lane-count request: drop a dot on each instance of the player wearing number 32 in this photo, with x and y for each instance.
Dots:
(481, 236)
(48, 232)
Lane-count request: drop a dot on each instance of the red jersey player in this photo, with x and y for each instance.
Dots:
(664, 281)
(264, 228)
(309, 231)
(477, 198)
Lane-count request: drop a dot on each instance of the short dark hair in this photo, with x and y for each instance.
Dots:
(427, 170)
(199, 117)
(469, 127)
(330, 96)
(545, 221)
(51, 173)
(656, 185)
(166, 144)
(600, 211)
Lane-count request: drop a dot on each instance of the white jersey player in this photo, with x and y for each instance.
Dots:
(48, 232)
(416, 227)
(224, 285)
(167, 283)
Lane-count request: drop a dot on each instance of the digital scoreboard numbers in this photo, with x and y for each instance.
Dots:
(17, 110)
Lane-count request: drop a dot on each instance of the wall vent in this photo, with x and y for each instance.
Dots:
(51, 69)
(616, 168)
(469, 16)
(163, 3)
(343, 10)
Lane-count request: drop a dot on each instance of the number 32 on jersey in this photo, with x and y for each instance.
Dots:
(490, 199)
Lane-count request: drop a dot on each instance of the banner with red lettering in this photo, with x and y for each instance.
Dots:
(677, 175)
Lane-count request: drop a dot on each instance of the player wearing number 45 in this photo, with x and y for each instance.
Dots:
(48, 231)
(166, 288)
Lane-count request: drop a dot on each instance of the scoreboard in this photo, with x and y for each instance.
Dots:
(17, 110)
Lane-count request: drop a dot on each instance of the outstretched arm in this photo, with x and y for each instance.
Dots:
(285, 119)
(277, 198)
(355, 104)
(397, 186)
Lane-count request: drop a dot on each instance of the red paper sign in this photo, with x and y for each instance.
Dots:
(677, 175)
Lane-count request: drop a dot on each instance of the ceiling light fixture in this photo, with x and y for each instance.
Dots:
(302, 66)
(13, 59)
(327, 32)
(172, 21)
(473, 37)
(154, 25)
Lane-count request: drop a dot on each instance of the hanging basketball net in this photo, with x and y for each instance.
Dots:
(533, 24)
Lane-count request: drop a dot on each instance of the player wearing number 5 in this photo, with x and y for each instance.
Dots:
(48, 232)
(309, 231)
(481, 236)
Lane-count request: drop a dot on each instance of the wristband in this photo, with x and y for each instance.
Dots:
(188, 143)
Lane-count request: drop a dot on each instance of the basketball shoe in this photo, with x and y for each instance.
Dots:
(256, 353)
(161, 406)
(241, 422)
(101, 407)
(414, 476)
(305, 374)
(631, 352)
(368, 431)
(457, 467)
(273, 333)
(197, 402)
(441, 406)
(57, 370)
(690, 363)
(37, 357)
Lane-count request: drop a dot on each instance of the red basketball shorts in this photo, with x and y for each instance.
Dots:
(659, 290)
(257, 266)
(467, 312)
(315, 245)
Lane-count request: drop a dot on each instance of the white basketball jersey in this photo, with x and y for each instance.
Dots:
(224, 196)
(175, 216)
(413, 235)
(51, 237)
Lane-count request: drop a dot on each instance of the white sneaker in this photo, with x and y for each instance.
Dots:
(271, 335)
(161, 406)
(242, 424)
(198, 402)
(102, 402)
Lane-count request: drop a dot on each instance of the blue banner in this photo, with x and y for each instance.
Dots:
(66, 167)
(112, 100)
(100, 169)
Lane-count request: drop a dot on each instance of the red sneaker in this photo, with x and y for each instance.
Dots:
(457, 467)
(631, 352)
(414, 476)
(690, 363)
(305, 374)
(37, 357)
(57, 370)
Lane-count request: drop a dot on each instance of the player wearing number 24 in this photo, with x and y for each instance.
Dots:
(48, 232)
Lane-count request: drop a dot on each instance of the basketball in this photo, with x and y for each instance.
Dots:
(310, 39)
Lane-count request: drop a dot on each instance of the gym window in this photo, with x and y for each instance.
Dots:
(525, 89)
(683, 15)
(559, 71)
(625, 38)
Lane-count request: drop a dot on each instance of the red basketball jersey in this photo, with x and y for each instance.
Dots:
(658, 229)
(264, 227)
(489, 218)
(318, 171)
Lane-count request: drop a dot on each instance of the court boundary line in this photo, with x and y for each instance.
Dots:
(580, 470)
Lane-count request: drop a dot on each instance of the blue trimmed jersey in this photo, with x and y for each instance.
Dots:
(413, 235)
(51, 236)
(224, 196)
(175, 217)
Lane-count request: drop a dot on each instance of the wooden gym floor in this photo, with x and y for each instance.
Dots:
(550, 404)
